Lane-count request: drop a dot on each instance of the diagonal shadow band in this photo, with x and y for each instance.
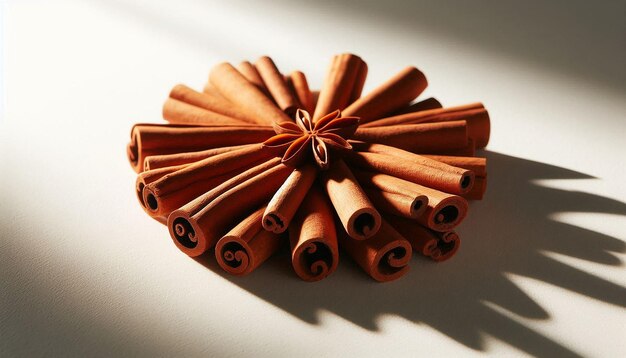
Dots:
(506, 233)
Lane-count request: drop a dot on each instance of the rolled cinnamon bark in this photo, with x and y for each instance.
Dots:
(466, 174)
(359, 83)
(357, 214)
(250, 72)
(208, 101)
(178, 188)
(313, 238)
(146, 177)
(392, 95)
(397, 204)
(423, 138)
(468, 150)
(339, 84)
(475, 114)
(154, 139)
(478, 190)
(385, 256)
(423, 105)
(300, 86)
(476, 164)
(277, 86)
(246, 246)
(168, 160)
(197, 225)
(242, 93)
(287, 199)
(179, 112)
(455, 181)
(443, 211)
(438, 246)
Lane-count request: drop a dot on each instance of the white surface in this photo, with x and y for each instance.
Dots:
(540, 271)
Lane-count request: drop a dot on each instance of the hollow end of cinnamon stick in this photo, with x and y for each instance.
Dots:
(444, 248)
(187, 236)
(447, 214)
(392, 261)
(232, 254)
(314, 260)
(364, 223)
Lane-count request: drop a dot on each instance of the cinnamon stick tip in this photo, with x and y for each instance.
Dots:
(185, 233)
(391, 262)
(232, 254)
(364, 223)
(314, 260)
(274, 222)
(448, 213)
(419, 206)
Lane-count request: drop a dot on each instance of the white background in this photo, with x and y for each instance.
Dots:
(541, 268)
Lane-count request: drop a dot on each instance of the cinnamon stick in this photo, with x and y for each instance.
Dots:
(156, 139)
(297, 80)
(175, 189)
(393, 195)
(242, 93)
(475, 114)
(208, 101)
(359, 83)
(469, 150)
(423, 105)
(456, 181)
(246, 246)
(443, 211)
(423, 138)
(339, 84)
(357, 214)
(438, 246)
(149, 176)
(385, 256)
(476, 164)
(287, 199)
(277, 86)
(250, 72)
(392, 95)
(197, 225)
(168, 160)
(478, 190)
(178, 112)
(313, 238)
(464, 175)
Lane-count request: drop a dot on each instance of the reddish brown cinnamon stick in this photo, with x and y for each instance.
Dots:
(359, 83)
(418, 138)
(450, 181)
(339, 84)
(168, 160)
(313, 237)
(208, 101)
(443, 211)
(242, 93)
(476, 116)
(277, 86)
(468, 150)
(298, 81)
(178, 112)
(397, 204)
(392, 95)
(197, 225)
(250, 72)
(438, 246)
(476, 164)
(287, 199)
(246, 246)
(153, 139)
(357, 214)
(465, 176)
(478, 190)
(385, 256)
(178, 188)
(423, 105)
(149, 176)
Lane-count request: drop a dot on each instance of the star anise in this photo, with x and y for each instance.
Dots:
(296, 139)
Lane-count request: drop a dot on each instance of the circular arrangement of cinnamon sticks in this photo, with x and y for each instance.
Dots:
(258, 160)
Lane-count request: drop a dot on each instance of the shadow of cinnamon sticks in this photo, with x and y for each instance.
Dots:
(506, 233)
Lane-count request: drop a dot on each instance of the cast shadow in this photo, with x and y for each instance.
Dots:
(466, 297)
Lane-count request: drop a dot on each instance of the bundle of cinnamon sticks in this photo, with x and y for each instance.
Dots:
(258, 160)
